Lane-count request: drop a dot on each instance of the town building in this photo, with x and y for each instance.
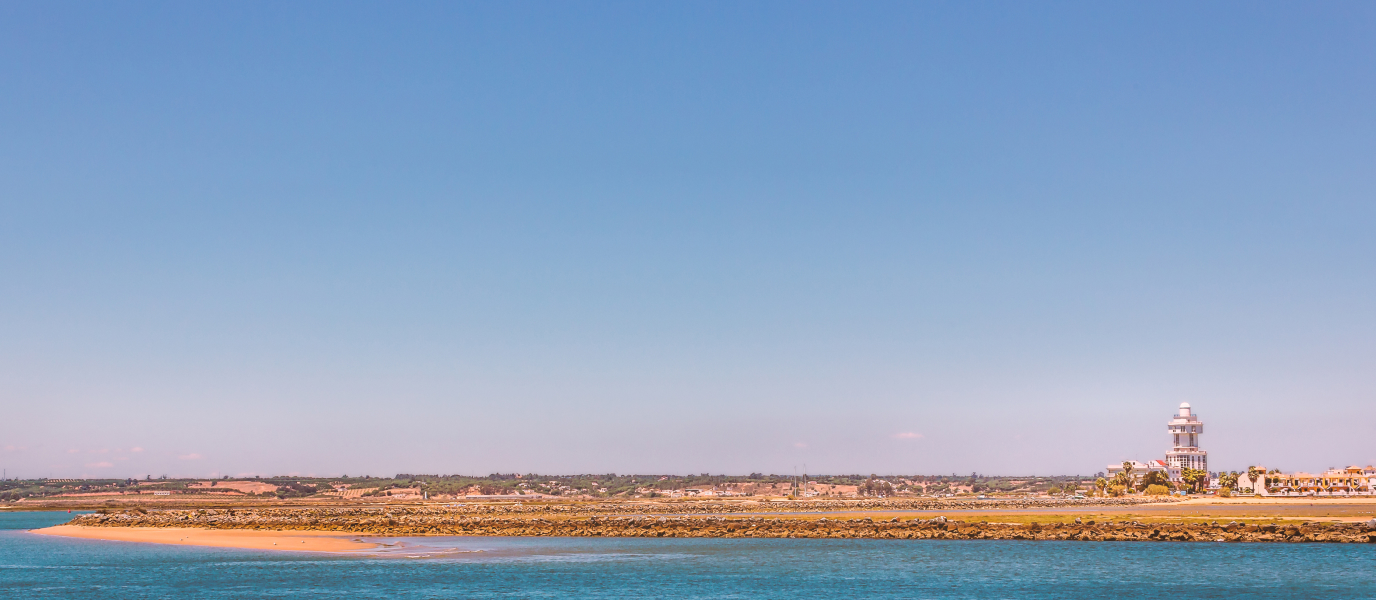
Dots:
(1185, 429)
(1139, 469)
(1352, 480)
(1247, 485)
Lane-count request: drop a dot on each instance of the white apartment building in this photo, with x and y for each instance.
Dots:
(1185, 429)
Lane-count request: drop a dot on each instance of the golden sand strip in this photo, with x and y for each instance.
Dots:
(300, 541)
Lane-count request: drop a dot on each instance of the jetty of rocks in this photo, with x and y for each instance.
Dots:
(439, 520)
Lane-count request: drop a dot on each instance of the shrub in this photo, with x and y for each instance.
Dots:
(1225, 493)
(1157, 490)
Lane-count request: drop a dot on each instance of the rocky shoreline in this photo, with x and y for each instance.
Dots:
(619, 507)
(398, 521)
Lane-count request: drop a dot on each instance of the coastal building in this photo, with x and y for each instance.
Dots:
(1247, 485)
(1140, 469)
(1352, 480)
(1185, 453)
(1185, 429)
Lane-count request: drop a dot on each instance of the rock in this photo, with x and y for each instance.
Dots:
(598, 520)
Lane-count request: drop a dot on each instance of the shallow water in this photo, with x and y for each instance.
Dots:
(34, 566)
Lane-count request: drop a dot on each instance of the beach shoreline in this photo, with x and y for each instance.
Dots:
(337, 528)
(247, 539)
(429, 521)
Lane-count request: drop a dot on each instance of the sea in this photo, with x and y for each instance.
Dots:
(36, 567)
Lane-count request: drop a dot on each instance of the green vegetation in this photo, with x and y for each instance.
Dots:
(1228, 480)
(13, 490)
(1195, 479)
(1155, 479)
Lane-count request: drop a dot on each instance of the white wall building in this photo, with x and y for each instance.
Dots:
(1185, 429)
(1245, 483)
(1142, 468)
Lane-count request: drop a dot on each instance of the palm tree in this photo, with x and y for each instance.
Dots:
(1228, 480)
(1154, 478)
(1197, 477)
(1124, 477)
(1121, 481)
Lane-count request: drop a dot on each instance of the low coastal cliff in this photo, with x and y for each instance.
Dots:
(440, 521)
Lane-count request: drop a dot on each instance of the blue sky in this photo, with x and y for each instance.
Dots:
(328, 238)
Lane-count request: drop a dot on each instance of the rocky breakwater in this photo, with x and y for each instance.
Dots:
(422, 521)
(700, 507)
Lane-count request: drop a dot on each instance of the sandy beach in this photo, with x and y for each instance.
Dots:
(299, 541)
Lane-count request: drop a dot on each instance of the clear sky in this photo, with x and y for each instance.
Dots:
(917, 237)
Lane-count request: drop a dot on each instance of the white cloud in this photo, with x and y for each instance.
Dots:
(192, 456)
(799, 445)
(907, 435)
(136, 449)
(100, 465)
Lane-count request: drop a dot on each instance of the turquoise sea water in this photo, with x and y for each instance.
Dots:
(34, 566)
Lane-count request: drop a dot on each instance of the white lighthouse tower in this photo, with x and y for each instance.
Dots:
(1185, 429)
